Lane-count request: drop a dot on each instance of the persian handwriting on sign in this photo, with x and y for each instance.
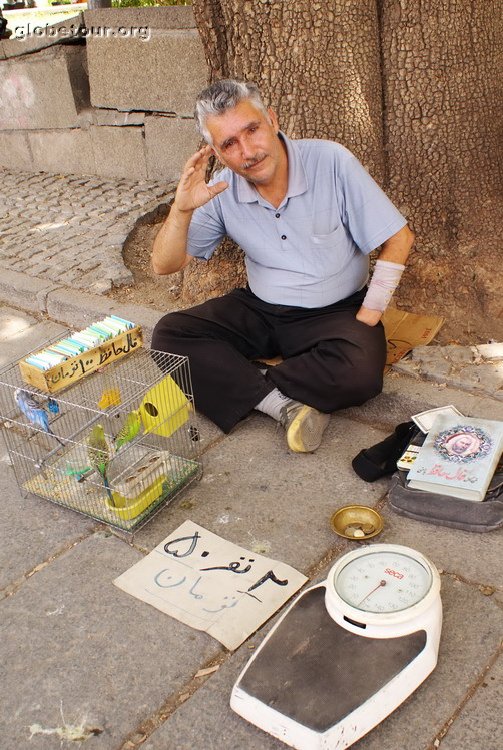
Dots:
(161, 580)
(190, 549)
(175, 547)
(116, 349)
(233, 566)
(89, 361)
(269, 576)
(211, 584)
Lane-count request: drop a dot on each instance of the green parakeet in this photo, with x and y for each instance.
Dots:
(129, 429)
(99, 455)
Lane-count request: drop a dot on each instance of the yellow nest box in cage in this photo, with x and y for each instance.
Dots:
(164, 408)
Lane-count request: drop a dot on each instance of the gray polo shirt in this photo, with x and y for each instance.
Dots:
(313, 249)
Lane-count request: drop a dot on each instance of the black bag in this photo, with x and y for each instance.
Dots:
(380, 460)
(449, 511)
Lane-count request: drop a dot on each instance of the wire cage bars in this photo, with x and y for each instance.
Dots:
(117, 445)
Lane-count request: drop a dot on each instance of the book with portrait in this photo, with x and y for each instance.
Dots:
(458, 457)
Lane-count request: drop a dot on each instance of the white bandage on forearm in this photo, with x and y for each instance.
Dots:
(385, 280)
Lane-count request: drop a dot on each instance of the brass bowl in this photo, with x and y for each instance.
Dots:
(357, 522)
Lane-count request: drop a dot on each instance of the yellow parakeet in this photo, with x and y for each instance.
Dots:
(129, 429)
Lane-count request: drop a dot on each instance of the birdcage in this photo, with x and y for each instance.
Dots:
(118, 445)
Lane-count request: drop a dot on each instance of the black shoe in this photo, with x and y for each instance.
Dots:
(380, 460)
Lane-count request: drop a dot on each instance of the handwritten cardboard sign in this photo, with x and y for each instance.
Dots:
(73, 369)
(211, 584)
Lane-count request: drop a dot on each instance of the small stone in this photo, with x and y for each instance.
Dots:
(186, 504)
(487, 590)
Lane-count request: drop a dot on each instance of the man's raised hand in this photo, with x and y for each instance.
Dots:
(192, 190)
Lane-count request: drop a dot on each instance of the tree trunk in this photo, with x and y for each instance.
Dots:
(442, 81)
(412, 87)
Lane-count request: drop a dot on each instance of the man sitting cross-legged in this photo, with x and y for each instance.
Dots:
(306, 215)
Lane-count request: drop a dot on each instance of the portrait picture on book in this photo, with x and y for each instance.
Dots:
(463, 443)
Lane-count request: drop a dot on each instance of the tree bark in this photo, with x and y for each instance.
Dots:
(316, 64)
(442, 66)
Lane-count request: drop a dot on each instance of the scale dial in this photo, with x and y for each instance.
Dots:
(383, 581)
(381, 584)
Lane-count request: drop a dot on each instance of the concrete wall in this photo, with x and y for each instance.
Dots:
(109, 92)
(45, 90)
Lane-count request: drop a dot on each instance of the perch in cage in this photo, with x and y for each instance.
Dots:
(117, 445)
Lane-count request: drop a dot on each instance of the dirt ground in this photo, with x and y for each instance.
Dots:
(159, 292)
(164, 292)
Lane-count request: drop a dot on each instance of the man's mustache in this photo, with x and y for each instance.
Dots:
(256, 159)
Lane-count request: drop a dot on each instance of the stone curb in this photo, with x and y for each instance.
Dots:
(71, 307)
(26, 292)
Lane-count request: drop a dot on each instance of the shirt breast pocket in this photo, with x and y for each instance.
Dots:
(331, 252)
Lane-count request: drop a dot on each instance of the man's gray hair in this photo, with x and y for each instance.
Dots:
(222, 96)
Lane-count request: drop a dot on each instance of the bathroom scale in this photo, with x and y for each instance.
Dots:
(347, 652)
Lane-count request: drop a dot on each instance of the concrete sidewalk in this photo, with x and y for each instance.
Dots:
(80, 656)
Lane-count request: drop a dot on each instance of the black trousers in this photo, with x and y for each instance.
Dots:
(330, 359)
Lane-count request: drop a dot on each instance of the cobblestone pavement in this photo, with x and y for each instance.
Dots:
(71, 229)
